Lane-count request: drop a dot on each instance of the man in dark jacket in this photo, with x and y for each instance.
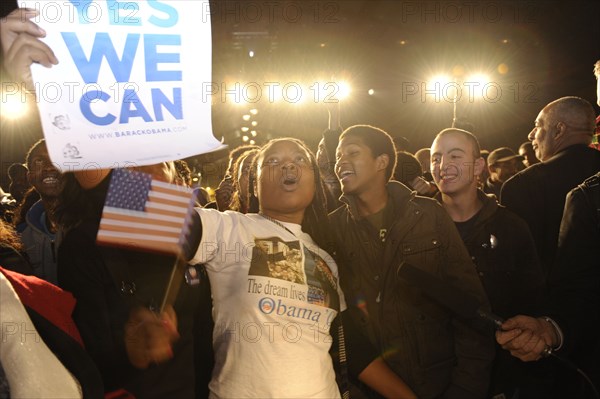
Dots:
(499, 242)
(561, 137)
(383, 226)
(40, 234)
(573, 308)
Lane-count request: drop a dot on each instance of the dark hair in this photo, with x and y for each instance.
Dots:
(316, 220)
(183, 172)
(9, 237)
(236, 199)
(15, 169)
(573, 110)
(32, 149)
(378, 141)
(238, 151)
(408, 168)
(30, 197)
(468, 135)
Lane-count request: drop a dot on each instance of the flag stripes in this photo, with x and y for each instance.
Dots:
(144, 214)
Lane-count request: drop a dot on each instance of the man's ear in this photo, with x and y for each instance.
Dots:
(382, 161)
(478, 166)
(561, 129)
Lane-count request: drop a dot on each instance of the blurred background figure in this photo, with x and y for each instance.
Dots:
(39, 231)
(17, 174)
(409, 172)
(528, 154)
(502, 165)
(224, 193)
(243, 200)
(183, 174)
(424, 157)
(326, 157)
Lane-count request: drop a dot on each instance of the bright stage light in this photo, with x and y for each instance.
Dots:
(13, 106)
(245, 138)
(252, 142)
(253, 133)
(251, 54)
(246, 117)
(343, 90)
(254, 123)
(478, 78)
(245, 129)
(438, 81)
(480, 82)
(254, 111)
(371, 92)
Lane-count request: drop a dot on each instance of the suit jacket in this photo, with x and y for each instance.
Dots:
(537, 194)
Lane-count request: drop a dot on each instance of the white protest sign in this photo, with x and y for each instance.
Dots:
(131, 84)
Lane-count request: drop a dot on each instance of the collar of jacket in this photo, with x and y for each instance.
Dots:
(34, 215)
(399, 193)
(565, 152)
(490, 205)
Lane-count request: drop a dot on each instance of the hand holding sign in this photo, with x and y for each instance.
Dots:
(21, 47)
(130, 81)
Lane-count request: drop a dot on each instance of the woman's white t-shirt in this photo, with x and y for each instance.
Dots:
(275, 294)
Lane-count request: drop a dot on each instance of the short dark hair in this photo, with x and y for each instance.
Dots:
(15, 169)
(32, 149)
(378, 141)
(468, 135)
(574, 111)
(408, 167)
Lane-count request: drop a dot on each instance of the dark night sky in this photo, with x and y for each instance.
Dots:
(549, 48)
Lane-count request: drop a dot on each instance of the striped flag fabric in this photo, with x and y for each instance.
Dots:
(145, 214)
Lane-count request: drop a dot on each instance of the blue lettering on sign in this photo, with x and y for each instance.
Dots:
(86, 109)
(125, 12)
(159, 100)
(121, 65)
(102, 48)
(153, 58)
(132, 106)
(172, 15)
(82, 7)
(128, 17)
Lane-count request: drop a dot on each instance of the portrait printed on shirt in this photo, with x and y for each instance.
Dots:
(284, 260)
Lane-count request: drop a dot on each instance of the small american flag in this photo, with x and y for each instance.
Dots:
(145, 214)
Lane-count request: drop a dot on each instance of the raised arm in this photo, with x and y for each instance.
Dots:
(21, 47)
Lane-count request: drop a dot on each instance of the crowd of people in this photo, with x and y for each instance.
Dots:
(360, 270)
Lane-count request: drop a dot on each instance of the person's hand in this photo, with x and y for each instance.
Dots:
(526, 337)
(422, 186)
(21, 47)
(148, 336)
(334, 111)
(224, 193)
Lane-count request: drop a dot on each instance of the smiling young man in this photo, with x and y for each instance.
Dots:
(499, 242)
(39, 233)
(561, 138)
(383, 225)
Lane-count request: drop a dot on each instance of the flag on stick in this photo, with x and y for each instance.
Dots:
(145, 214)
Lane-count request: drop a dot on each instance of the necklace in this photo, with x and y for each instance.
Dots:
(278, 223)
